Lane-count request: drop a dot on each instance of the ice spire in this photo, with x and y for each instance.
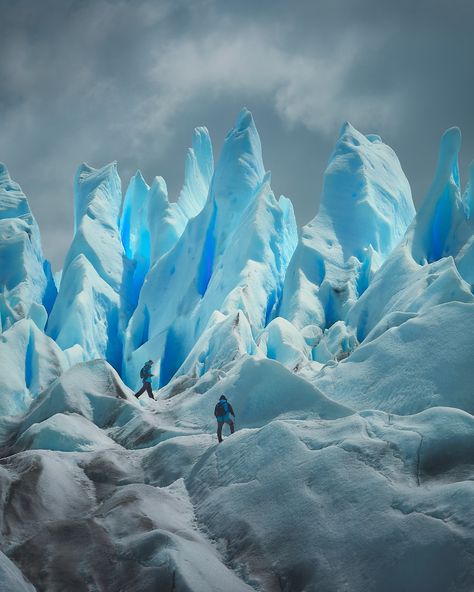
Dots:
(135, 231)
(167, 220)
(26, 284)
(240, 169)
(95, 297)
(231, 257)
(198, 170)
(434, 230)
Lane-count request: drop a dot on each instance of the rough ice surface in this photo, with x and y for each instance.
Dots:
(167, 220)
(30, 361)
(27, 288)
(97, 276)
(134, 229)
(366, 206)
(347, 357)
(425, 262)
(232, 256)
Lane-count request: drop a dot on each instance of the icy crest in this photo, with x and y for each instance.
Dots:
(353, 395)
(366, 206)
(97, 276)
(435, 231)
(135, 231)
(167, 220)
(26, 284)
(427, 268)
(198, 171)
(232, 256)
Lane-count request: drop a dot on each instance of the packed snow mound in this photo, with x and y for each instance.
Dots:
(92, 390)
(315, 505)
(96, 293)
(227, 339)
(231, 257)
(26, 285)
(281, 341)
(365, 208)
(69, 433)
(406, 369)
(261, 391)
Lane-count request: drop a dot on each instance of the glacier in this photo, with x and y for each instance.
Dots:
(345, 348)
(26, 282)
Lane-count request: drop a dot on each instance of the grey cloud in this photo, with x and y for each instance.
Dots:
(102, 80)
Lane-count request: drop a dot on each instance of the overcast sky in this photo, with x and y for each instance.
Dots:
(105, 80)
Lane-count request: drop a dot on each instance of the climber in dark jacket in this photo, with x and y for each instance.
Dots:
(145, 375)
(223, 411)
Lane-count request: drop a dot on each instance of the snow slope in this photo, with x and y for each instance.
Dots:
(306, 495)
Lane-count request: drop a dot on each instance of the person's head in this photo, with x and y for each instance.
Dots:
(222, 398)
(149, 363)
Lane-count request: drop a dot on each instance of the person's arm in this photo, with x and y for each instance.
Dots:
(231, 409)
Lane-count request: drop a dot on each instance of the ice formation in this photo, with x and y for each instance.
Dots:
(346, 354)
(366, 206)
(27, 288)
(95, 297)
(232, 256)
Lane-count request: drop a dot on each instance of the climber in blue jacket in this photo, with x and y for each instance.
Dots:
(223, 411)
(145, 375)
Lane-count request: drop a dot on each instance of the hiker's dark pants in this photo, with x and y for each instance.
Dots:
(146, 387)
(220, 425)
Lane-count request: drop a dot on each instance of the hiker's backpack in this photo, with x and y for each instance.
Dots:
(221, 409)
(143, 373)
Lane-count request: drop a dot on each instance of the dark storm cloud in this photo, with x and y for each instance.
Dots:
(118, 80)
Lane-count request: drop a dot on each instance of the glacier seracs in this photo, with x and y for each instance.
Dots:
(366, 206)
(95, 297)
(167, 220)
(422, 270)
(135, 231)
(26, 284)
(348, 365)
(232, 256)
